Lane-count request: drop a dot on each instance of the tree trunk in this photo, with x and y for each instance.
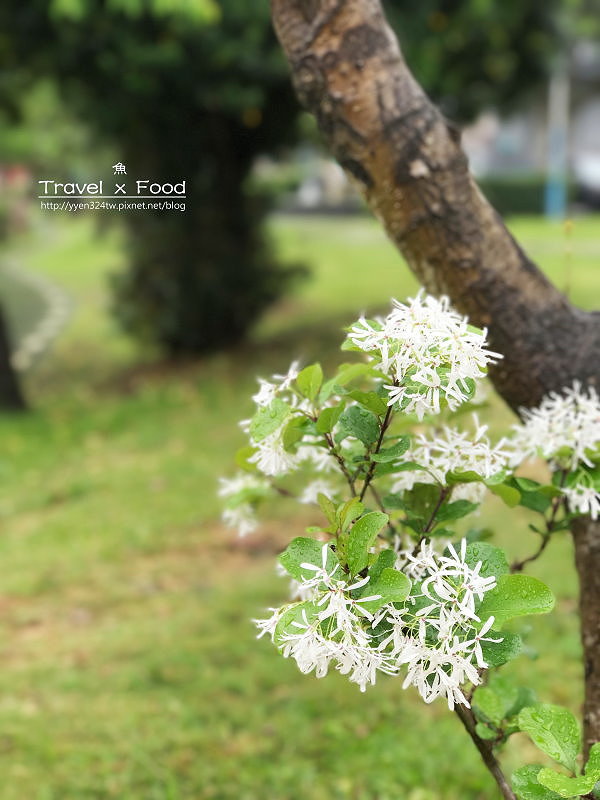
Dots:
(586, 535)
(11, 397)
(406, 158)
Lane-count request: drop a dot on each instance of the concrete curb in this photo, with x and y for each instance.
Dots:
(58, 310)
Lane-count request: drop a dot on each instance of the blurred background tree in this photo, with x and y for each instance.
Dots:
(196, 91)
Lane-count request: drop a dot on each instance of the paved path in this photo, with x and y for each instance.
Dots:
(50, 308)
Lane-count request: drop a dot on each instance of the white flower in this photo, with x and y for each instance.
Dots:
(240, 491)
(453, 450)
(267, 626)
(417, 565)
(266, 394)
(438, 674)
(269, 390)
(242, 518)
(362, 663)
(429, 349)
(583, 499)
(313, 453)
(271, 457)
(335, 601)
(473, 646)
(564, 429)
(313, 489)
(298, 589)
(472, 492)
(229, 487)
(308, 647)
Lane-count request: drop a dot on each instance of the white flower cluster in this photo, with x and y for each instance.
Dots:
(312, 490)
(430, 350)
(239, 513)
(453, 450)
(436, 633)
(333, 631)
(280, 384)
(565, 430)
(583, 499)
(271, 457)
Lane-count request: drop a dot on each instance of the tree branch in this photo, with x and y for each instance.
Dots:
(586, 537)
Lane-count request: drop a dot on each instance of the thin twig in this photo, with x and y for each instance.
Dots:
(384, 426)
(391, 527)
(467, 718)
(283, 492)
(341, 462)
(445, 491)
(557, 503)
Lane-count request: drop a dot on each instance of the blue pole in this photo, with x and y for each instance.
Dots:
(556, 191)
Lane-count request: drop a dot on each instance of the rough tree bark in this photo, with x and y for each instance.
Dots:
(406, 157)
(11, 397)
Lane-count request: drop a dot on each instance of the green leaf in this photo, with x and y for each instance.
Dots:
(488, 705)
(493, 559)
(535, 501)
(527, 787)
(328, 417)
(593, 765)
(526, 697)
(497, 653)
(385, 559)
(242, 456)
(534, 495)
(327, 507)
(268, 418)
(392, 453)
(508, 494)
(348, 512)
(516, 596)
(370, 401)
(565, 786)
(410, 466)
(421, 500)
(309, 380)
(484, 732)
(361, 539)
(526, 484)
(386, 468)
(360, 423)
(554, 730)
(349, 372)
(292, 433)
(456, 510)
(251, 494)
(496, 700)
(295, 613)
(454, 476)
(303, 550)
(393, 586)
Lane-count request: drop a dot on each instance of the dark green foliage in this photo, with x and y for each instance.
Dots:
(517, 194)
(473, 54)
(180, 98)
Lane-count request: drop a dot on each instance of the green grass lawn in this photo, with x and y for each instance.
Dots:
(130, 667)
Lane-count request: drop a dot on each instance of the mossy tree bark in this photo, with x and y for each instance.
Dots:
(406, 157)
